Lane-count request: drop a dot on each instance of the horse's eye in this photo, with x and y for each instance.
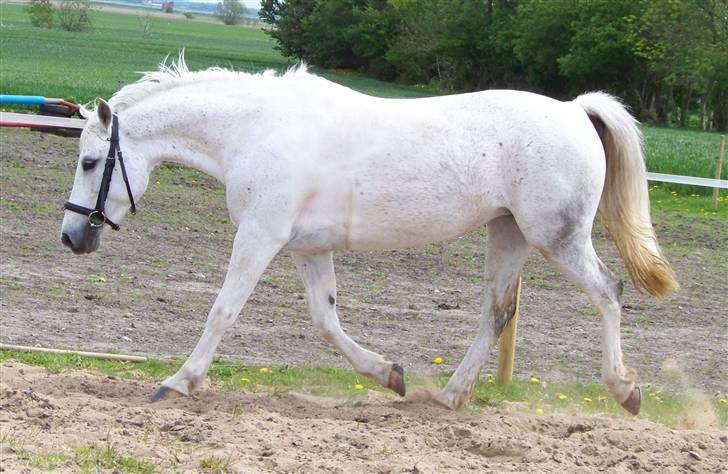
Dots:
(88, 165)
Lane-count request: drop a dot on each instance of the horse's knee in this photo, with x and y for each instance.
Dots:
(325, 327)
(221, 319)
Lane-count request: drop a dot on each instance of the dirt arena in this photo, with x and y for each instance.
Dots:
(148, 289)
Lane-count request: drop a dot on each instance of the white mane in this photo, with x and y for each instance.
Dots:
(177, 73)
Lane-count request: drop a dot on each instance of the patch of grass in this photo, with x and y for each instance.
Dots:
(683, 152)
(41, 208)
(666, 408)
(215, 465)
(83, 66)
(47, 461)
(11, 283)
(588, 311)
(288, 282)
(666, 198)
(56, 363)
(11, 206)
(158, 261)
(95, 459)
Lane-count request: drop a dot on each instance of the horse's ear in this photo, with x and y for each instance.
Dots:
(84, 112)
(103, 109)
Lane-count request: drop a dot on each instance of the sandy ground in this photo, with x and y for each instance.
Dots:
(301, 433)
(148, 290)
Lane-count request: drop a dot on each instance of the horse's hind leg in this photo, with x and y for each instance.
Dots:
(506, 252)
(576, 257)
(318, 276)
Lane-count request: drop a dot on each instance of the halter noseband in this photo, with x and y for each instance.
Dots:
(96, 216)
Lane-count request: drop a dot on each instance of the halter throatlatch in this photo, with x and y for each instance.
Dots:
(96, 216)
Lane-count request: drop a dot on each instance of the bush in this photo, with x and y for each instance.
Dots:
(189, 15)
(75, 15)
(230, 11)
(41, 13)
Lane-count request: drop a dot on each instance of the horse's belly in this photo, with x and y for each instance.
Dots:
(386, 224)
(391, 229)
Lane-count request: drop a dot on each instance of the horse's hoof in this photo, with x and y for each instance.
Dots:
(396, 380)
(633, 402)
(166, 393)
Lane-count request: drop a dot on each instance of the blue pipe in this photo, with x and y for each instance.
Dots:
(22, 99)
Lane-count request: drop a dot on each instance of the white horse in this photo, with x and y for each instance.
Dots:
(314, 167)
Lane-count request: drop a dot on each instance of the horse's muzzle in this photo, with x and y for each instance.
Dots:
(82, 242)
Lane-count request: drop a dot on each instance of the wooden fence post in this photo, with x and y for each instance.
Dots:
(507, 349)
(718, 169)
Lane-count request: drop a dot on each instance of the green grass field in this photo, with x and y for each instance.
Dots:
(83, 66)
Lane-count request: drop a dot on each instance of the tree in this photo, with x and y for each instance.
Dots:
(230, 12)
(600, 50)
(41, 13)
(75, 15)
(287, 19)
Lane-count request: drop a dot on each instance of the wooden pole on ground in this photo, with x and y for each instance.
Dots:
(507, 349)
(718, 169)
(95, 355)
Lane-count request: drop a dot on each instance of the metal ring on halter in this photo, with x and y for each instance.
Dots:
(93, 220)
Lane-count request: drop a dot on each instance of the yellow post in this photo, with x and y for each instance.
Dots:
(718, 169)
(507, 350)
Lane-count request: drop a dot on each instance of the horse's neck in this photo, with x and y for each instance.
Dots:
(171, 136)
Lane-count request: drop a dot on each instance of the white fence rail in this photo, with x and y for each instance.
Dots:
(672, 178)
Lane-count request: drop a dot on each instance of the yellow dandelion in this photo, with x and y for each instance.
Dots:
(102, 279)
(491, 380)
(359, 386)
(264, 370)
(539, 411)
(535, 379)
(437, 360)
(587, 400)
(157, 182)
(723, 401)
(245, 380)
(655, 393)
(562, 397)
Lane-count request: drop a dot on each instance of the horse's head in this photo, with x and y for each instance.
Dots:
(101, 193)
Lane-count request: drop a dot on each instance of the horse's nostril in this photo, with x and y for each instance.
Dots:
(66, 240)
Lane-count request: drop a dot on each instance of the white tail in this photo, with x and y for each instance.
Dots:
(625, 205)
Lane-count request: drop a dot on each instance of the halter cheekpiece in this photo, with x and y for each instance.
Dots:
(97, 217)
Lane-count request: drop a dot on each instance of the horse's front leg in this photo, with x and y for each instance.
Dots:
(318, 276)
(253, 249)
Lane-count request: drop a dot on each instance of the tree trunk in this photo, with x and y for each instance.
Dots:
(685, 109)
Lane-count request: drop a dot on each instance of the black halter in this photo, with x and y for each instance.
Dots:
(96, 217)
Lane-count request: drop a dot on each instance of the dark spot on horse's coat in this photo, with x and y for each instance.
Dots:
(504, 311)
(332, 300)
(500, 144)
